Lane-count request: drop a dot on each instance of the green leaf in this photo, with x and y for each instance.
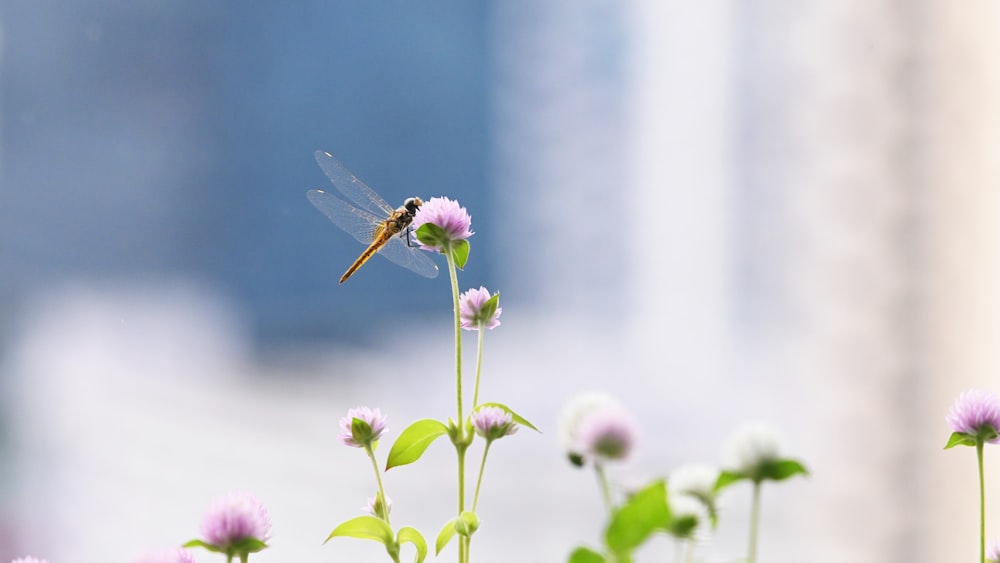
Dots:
(960, 439)
(247, 545)
(445, 535)
(365, 528)
(208, 546)
(411, 535)
(585, 555)
(642, 514)
(489, 308)
(727, 478)
(432, 235)
(781, 469)
(513, 415)
(413, 441)
(460, 252)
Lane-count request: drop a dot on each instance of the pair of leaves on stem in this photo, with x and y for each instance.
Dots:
(414, 441)
(985, 434)
(372, 528)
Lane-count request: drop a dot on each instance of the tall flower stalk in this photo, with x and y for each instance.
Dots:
(975, 420)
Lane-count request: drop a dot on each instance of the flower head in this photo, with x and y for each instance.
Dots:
(577, 409)
(170, 555)
(451, 220)
(235, 517)
(493, 423)
(377, 508)
(974, 411)
(694, 479)
(477, 309)
(752, 446)
(29, 559)
(687, 515)
(993, 553)
(370, 428)
(606, 434)
(697, 481)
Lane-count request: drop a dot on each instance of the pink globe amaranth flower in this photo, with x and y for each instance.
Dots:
(606, 434)
(29, 559)
(372, 417)
(234, 517)
(493, 423)
(449, 216)
(170, 555)
(975, 410)
(473, 310)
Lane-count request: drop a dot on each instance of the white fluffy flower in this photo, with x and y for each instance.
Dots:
(684, 509)
(694, 479)
(751, 446)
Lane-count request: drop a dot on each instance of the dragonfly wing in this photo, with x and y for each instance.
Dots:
(359, 223)
(409, 257)
(354, 189)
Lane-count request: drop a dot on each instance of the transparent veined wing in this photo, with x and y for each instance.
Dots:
(362, 224)
(353, 189)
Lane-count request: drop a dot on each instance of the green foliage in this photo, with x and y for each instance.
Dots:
(408, 534)
(445, 535)
(641, 515)
(782, 469)
(241, 548)
(585, 555)
(365, 528)
(413, 441)
(960, 439)
(460, 252)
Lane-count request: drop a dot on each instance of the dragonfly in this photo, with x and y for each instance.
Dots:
(370, 220)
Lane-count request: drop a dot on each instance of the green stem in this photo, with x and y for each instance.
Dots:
(479, 364)
(602, 479)
(754, 523)
(244, 557)
(982, 502)
(460, 446)
(378, 478)
(689, 549)
(479, 481)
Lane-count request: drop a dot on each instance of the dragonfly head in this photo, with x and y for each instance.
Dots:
(412, 204)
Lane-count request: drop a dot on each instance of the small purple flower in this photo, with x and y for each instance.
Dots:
(235, 517)
(29, 559)
(993, 553)
(975, 410)
(606, 434)
(476, 310)
(493, 423)
(361, 437)
(170, 555)
(453, 220)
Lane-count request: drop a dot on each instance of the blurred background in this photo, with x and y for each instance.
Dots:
(715, 211)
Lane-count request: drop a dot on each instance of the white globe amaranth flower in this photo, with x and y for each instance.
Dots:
(694, 479)
(752, 446)
(687, 516)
